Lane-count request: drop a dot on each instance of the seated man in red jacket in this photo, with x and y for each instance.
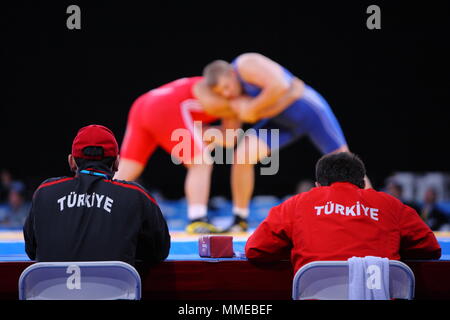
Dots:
(340, 219)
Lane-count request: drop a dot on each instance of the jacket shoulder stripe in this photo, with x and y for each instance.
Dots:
(53, 182)
(50, 183)
(130, 186)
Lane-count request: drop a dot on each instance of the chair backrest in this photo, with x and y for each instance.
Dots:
(329, 280)
(93, 280)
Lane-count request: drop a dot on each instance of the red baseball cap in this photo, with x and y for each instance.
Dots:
(95, 136)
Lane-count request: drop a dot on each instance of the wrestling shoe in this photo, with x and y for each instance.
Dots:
(201, 226)
(239, 225)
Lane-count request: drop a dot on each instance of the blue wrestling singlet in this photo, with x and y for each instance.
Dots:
(310, 115)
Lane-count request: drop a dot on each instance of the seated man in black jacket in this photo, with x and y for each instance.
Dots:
(91, 217)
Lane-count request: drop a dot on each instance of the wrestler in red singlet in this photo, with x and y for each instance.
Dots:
(156, 114)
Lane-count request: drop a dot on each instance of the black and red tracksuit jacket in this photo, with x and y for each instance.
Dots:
(91, 217)
(338, 222)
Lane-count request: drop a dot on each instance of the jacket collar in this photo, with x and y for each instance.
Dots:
(344, 184)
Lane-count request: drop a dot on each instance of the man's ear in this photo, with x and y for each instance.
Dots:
(364, 184)
(317, 184)
(115, 166)
(72, 163)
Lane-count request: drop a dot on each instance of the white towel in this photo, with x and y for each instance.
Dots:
(368, 278)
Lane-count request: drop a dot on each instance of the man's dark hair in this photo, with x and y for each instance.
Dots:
(340, 167)
(94, 152)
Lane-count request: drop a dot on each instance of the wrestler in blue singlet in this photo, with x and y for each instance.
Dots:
(310, 115)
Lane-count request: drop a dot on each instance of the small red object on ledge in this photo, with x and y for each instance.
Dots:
(211, 246)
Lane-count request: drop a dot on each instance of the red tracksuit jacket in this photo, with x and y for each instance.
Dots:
(338, 222)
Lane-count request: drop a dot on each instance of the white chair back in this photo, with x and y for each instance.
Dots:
(329, 280)
(93, 280)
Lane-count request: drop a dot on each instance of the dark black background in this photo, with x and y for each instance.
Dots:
(389, 88)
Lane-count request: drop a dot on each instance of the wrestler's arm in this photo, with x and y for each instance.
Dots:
(269, 76)
(212, 103)
(294, 93)
(225, 135)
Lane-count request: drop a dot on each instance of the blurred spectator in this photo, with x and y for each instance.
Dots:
(304, 186)
(395, 189)
(434, 217)
(16, 210)
(5, 183)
